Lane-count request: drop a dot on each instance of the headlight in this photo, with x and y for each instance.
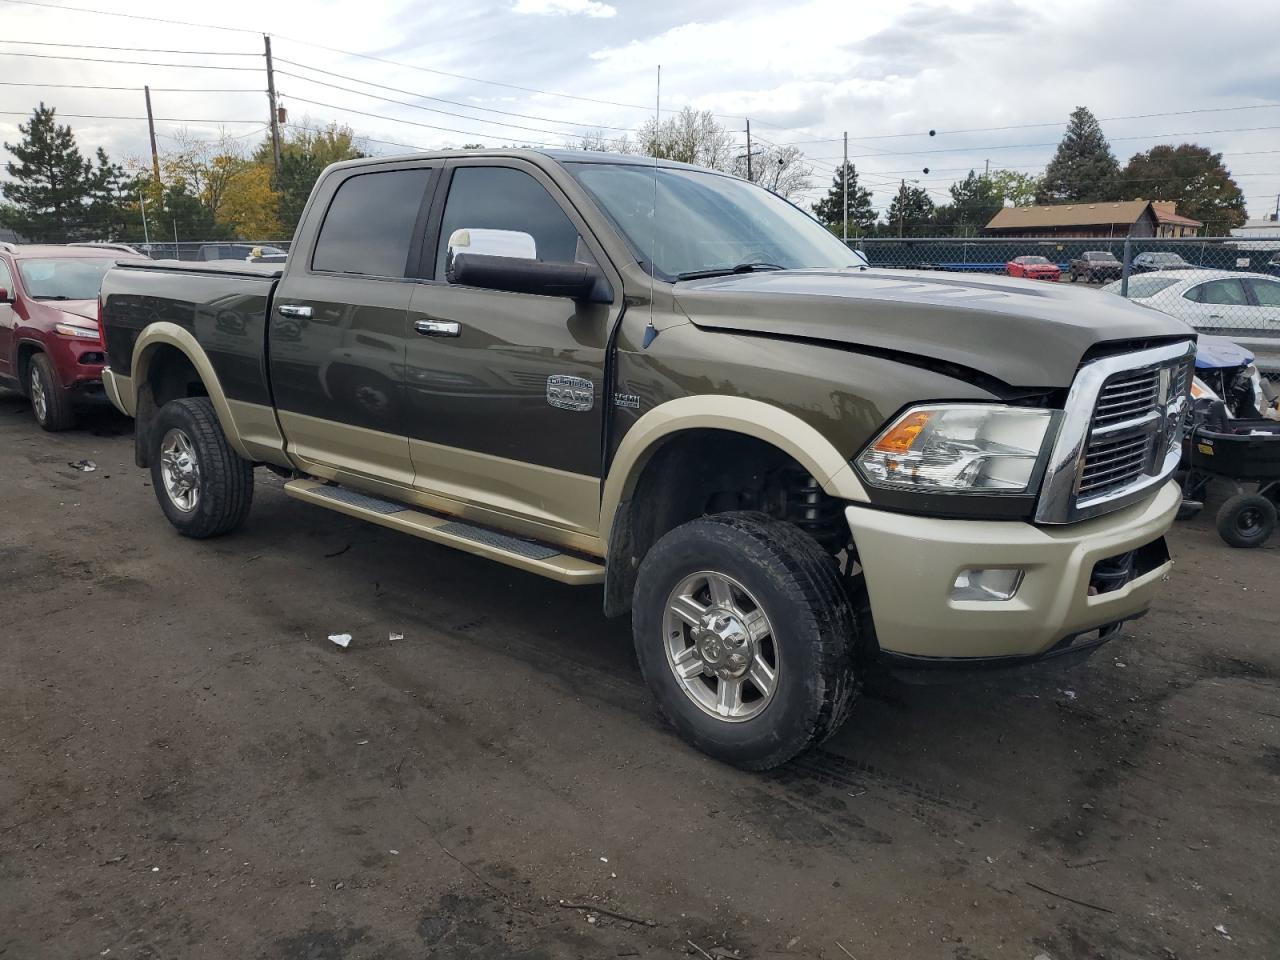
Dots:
(961, 448)
(75, 330)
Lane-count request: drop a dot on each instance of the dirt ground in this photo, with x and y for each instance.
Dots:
(191, 769)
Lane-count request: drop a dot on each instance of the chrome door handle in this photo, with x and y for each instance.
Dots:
(293, 310)
(438, 328)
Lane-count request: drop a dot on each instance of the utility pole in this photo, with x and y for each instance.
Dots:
(151, 128)
(146, 235)
(844, 175)
(987, 171)
(749, 177)
(902, 202)
(271, 96)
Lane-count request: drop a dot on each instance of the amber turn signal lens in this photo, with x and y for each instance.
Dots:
(903, 434)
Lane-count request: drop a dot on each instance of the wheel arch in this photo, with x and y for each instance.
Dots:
(636, 508)
(153, 346)
(27, 348)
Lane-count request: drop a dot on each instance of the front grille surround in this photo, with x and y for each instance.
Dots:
(1121, 433)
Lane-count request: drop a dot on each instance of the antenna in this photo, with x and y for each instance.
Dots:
(651, 331)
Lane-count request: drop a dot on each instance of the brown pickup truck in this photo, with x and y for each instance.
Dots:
(673, 385)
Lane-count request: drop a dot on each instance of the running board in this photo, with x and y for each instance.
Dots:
(528, 555)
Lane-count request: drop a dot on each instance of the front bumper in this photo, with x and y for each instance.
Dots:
(118, 388)
(910, 564)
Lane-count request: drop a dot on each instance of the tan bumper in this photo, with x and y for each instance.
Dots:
(119, 390)
(911, 564)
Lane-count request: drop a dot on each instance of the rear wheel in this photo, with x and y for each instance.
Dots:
(746, 636)
(49, 402)
(1247, 520)
(204, 487)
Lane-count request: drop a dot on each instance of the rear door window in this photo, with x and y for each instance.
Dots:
(1222, 292)
(1267, 292)
(368, 227)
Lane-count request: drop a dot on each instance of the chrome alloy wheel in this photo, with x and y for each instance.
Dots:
(720, 646)
(39, 400)
(180, 470)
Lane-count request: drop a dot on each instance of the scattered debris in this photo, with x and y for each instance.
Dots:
(1069, 694)
(1090, 862)
(1119, 664)
(116, 859)
(604, 859)
(337, 553)
(84, 466)
(700, 950)
(724, 953)
(1042, 956)
(1222, 929)
(1063, 896)
(361, 743)
(341, 639)
(843, 950)
(596, 908)
(155, 869)
(394, 853)
(395, 636)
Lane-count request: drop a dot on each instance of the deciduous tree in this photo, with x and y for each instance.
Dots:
(1194, 177)
(911, 209)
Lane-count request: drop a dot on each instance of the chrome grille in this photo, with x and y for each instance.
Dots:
(1121, 432)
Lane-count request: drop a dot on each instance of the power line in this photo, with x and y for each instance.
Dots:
(141, 63)
(412, 93)
(97, 86)
(97, 116)
(98, 46)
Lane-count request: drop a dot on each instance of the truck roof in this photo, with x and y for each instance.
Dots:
(237, 268)
(528, 153)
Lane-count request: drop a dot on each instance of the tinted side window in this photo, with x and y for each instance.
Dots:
(499, 198)
(1226, 292)
(1267, 292)
(369, 224)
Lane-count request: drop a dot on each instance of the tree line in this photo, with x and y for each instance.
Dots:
(223, 189)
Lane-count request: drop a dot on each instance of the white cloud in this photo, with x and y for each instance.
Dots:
(565, 8)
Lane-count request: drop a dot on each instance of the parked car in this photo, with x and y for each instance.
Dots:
(1095, 266)
(1033, 268)
(49, 342)
(1146, 262)
(1242, 306)
(720, 414)
(234, 251)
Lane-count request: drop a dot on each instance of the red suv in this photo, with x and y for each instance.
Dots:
(49, 344)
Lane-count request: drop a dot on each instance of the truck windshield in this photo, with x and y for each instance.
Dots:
(707, 223)
(70, 278)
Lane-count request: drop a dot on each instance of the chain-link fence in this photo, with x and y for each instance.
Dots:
(1221, 286)
(213, 249)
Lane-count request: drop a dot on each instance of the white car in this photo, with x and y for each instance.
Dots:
(1242, 306)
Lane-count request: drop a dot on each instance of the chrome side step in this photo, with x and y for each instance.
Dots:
(528, 555)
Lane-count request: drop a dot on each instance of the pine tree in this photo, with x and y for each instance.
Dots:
(911, 209)
(830, 209)
(1083, 169)
(51, 184)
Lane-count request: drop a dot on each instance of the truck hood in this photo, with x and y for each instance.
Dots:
(1025, 334)
(86, 309)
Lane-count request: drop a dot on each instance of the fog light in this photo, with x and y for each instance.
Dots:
(986, 584)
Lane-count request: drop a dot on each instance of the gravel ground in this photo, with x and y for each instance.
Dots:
(191, 769)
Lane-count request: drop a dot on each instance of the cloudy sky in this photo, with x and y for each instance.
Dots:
(995, 78)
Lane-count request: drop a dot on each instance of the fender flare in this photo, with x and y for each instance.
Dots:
(753, 418)
(166, 333)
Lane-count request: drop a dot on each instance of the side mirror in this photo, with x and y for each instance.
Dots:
(5, 296)
(493, 243)
(578, 281)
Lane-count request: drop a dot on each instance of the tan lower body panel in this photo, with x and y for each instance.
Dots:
(911, 564)
(255, 423)
(561, 567)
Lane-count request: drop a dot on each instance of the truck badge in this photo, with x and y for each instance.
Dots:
(570, 393)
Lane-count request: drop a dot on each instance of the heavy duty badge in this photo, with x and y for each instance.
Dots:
(570, 393)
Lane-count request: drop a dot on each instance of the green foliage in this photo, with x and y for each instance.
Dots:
(974, 201)
(1013, 187)
(911, 209)
(54, 194)
(304, 153)
(1083, 169)
(830, 209)
(1193, 176)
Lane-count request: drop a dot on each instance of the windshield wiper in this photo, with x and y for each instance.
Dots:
(51, 296)
(749, 267)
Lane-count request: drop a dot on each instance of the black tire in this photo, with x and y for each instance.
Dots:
(223, 479)
(1247, 520)
(1072, 275)
(49, 402)
(798, 586)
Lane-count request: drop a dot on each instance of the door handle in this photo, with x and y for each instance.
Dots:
(438, 328)
(293, 310)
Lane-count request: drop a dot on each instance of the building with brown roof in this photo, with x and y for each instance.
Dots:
(1115, 219)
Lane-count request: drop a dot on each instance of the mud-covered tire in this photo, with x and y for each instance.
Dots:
(814, 626)
(50, 404)
(223, 479)
(1247, 520)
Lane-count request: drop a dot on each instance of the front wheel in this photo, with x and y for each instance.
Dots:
(204, 487)
(49, 402)
(1247, 520)
(747, 637)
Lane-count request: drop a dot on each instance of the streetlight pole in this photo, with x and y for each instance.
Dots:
(844, 175)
